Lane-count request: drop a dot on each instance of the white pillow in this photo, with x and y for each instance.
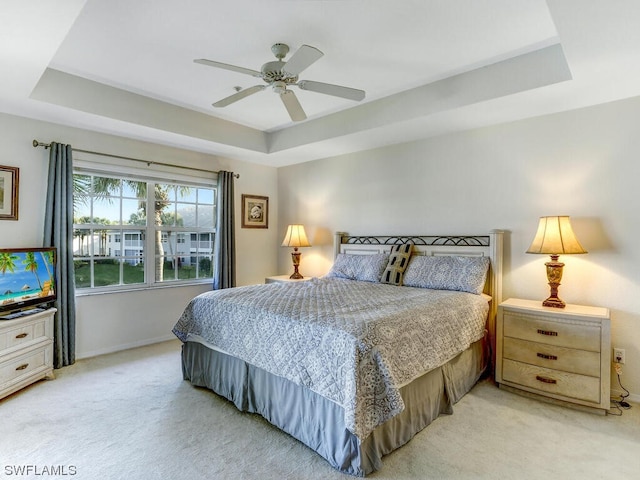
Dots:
(367, 268)
(464, 274)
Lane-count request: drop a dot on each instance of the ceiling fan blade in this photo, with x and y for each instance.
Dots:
(302, 59)
(293, 106)
(239, 96)
(226, 66)
(329, 89)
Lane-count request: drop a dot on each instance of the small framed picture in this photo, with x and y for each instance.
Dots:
(255, 211)
(9, 181)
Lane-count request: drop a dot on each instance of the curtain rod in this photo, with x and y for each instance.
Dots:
(37, 143)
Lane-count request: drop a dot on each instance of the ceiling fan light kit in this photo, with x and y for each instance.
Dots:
(280, 74)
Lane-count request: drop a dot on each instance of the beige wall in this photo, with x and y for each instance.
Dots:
(115, 321)
(582, 163)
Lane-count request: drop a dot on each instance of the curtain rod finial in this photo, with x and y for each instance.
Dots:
(36, 144)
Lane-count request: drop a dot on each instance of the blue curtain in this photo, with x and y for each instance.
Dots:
(58, 232)
(224, 251)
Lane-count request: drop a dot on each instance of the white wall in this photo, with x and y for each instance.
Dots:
(582, 163)
(115, 321)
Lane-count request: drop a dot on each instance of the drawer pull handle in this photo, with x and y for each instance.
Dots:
(547, 357)
(548, 332)
(546, 380)
(22, 335)
(22, 367)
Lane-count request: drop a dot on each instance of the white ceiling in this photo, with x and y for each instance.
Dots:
(428, 67)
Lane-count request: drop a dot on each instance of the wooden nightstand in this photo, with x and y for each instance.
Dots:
(562, 355)
(285, 279)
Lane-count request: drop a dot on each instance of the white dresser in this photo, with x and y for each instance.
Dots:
(557, 354)
(26, 350)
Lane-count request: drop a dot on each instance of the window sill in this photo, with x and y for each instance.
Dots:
(107, 291)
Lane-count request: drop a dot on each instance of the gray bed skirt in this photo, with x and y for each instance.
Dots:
(318, 422)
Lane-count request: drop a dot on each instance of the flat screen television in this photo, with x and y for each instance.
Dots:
(27, 278)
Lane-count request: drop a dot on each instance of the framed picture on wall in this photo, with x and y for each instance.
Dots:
(255, 211)
(9, 193)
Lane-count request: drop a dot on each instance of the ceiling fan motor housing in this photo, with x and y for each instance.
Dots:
(274, 72)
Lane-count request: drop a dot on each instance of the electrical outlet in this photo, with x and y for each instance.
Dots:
(618, 355)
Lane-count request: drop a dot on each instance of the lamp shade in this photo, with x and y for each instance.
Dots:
(555, 237)
(295, 237)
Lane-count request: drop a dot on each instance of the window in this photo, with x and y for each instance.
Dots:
(140, 232)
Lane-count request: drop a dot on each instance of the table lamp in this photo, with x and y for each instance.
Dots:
(295, 237)
(555, 237)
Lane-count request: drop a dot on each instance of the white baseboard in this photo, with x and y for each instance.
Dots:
(126, 346)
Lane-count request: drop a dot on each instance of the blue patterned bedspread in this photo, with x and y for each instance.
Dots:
(355, 343)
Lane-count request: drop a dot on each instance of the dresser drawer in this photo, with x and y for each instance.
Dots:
(563, 334)
(23, 365)
(571, 385)
(22, 334)
(551, 356)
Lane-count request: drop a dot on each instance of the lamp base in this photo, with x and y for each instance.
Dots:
(554, 275)
(554, 302)
(295, 256)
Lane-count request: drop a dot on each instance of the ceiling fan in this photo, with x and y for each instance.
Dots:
(280, 74)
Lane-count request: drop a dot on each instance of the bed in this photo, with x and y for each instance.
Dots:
(354, 364)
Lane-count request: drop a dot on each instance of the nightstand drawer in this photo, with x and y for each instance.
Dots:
(550, 356)
(571, 385)
(535, 329)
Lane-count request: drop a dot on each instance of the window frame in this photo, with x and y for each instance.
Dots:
(164, 176)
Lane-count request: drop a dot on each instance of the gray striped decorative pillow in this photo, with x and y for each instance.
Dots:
(398, 261)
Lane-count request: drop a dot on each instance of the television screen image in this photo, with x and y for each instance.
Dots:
(27, 277)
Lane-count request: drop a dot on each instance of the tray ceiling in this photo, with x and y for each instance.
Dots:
(428, 68)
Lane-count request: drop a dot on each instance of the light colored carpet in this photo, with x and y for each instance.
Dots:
(130, 415)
